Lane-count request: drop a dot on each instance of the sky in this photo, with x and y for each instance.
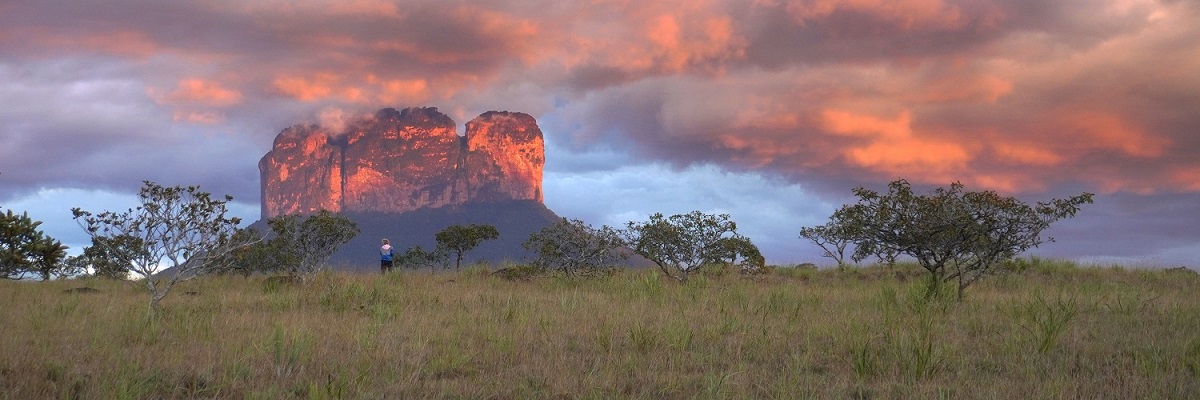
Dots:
(769, 110)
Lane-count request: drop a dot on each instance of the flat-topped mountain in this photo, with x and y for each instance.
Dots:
(404, 175)
(399, 161)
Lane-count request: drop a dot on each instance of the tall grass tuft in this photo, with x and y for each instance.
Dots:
(1045, 321)
(919, 350)
(288, 351)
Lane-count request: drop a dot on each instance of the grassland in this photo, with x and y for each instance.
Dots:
(1054, 330)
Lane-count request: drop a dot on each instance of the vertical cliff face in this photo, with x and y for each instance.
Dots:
(505, 154)
(302, 173)
(400, 161)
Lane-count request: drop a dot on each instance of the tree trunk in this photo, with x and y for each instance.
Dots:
(933, 288)
(155, 304)
(962, 285)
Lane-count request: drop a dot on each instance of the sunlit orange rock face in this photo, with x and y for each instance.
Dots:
(400, 161)
(504, 157)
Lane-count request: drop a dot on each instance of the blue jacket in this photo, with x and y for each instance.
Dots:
(385, 253)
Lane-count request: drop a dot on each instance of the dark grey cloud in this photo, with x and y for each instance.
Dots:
(1152, 229)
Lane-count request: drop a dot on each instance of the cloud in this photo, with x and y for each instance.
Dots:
(1150, 230)
(319, 86)
(996, 112)
(1029, 98)
(197, 101)
(905, 14)
(200, 92)
(891, 147)
(755, 202)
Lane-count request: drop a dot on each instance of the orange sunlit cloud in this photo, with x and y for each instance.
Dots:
(373, 89)
(400, 90)
(891, 145)
(1026, 154)
(1002, 182)
(986, 89)
(1105, 131)
(676, 47)
(362, 8)
(1186, 177)
(306, 89)
(646, 37)
(195, 100)
(201, 92)
(316, 87)
(125, 43)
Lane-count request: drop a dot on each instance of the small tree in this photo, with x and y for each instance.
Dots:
(738, 247)
(680, 243)
(955, 235)
(300, 247)
(183, 229)
(18, 234)
(458, 239)
(571, 246)
(834, 237)
(49, 259)
(111, 256)
(416, 257)
(304, 244)
(24, 249)
(254, 255)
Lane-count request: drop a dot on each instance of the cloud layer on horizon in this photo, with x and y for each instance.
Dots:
(1034, 99)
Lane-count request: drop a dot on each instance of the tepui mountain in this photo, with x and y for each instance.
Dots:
(406, 174)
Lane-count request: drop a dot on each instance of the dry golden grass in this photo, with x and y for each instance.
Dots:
(1051, 331)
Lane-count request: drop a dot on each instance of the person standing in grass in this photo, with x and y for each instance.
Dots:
(385, 257)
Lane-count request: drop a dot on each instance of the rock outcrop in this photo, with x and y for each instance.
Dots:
(400, 161)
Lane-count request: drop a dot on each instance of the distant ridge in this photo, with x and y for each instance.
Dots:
(515, 220)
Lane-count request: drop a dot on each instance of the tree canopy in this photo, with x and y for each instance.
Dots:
(572, 246)
(955, 234)
(729, 250)
(458, 239)
(681, 243)
(110, 256)
(25, 249)
(299, 245)
(416, 257)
